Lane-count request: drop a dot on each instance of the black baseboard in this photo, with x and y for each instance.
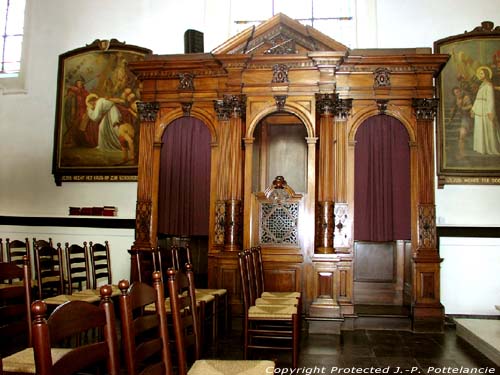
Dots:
(71, 222)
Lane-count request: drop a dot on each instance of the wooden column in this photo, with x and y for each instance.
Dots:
(326, 171)
(330, 282)
(427, 310)
(230, 111)
(147, 186)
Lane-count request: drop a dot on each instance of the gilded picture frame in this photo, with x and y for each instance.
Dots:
(96, 135)
(468, 127)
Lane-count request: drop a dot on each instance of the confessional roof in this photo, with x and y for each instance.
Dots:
(279, 35)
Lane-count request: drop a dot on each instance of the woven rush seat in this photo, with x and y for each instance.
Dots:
(62, 298)
(280, 294)
(231, 367)
(24, 361)
(278, 312)
(219, 292)
(276, 301)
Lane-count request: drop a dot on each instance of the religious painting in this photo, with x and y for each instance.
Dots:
(97, 124)
(468, 133)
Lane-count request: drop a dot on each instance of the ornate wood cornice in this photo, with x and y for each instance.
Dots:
(485, 27)
(148, 111)
(230, 105)
(425, 109)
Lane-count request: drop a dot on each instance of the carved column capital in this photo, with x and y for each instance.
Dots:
(332, 104)
(425, 109)
(148, 111)
(230, 106)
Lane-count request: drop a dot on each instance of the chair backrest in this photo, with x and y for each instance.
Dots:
(100, 261)
(42, 243)
(16, 250)
(68, 323)
(244, 279)
(184, 314)
(49, 271)
(258, 268)
(1, 250)
(144, 333)
(77, 267)
(15, 301)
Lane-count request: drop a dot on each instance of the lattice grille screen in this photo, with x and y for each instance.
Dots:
(278, 223)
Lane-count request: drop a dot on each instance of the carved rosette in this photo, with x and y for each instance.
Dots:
(148, 111)
(382, 77)
(280, 73)
(425, 109)
(220, 212)
(232, 224)
(143, 221)
(186, 81)
(342, 234)
(427, 226)
(331, 103)
(324, 227)
(230, 106)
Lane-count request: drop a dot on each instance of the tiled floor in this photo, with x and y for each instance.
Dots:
(370, 351)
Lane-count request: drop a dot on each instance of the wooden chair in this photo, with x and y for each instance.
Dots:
(208, 302)
(15, 301)
(185, 323)
(49, 271)
(144, 333)
(77, 267)
(100, 262)
(268, 326)
(1, 250)
(258, 269)
(16, 250)
(66, 343)
(223, 314)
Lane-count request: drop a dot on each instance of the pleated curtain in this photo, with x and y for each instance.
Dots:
(382, 181)
(184, 191)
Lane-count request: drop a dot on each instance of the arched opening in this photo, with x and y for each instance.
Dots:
(382, 217)
(184, 190)
(280, 149)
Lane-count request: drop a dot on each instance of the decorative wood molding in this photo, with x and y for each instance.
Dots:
(324, 227)
(382, 106)
(186, 81)
(485, 27)
(143, 221)
(280, 73)
(427, 226)
(342, 234)
(220, 219)
(280, 102)
(382, 77)
(186, 108)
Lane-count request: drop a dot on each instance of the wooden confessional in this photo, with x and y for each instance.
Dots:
(283, 99)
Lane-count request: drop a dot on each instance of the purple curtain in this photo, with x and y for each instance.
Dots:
(382, 181)
(184, 191)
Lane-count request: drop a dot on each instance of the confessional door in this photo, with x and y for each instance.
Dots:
(382, 220)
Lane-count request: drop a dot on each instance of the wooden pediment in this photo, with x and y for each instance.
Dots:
(280, 35)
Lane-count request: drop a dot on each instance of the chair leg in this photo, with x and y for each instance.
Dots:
(247, 337)
(295, 339)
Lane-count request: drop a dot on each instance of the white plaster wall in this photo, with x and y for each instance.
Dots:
(55, 26)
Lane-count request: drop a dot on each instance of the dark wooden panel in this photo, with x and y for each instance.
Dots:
(374, 261)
